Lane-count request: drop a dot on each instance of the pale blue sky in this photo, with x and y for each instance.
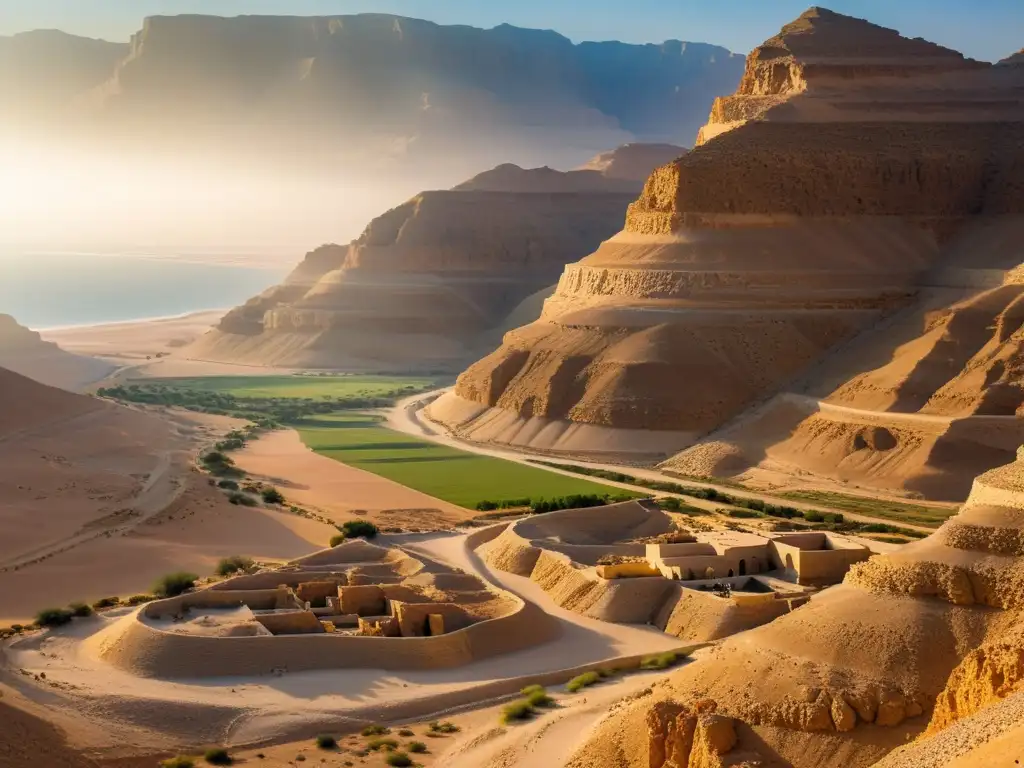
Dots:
(984, 29)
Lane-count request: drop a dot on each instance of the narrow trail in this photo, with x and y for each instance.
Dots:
(407, 417)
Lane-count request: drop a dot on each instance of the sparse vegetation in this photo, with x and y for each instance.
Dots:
(234, 564)
(538, 697)
(398, 760)
(416, 747)
(241, 499)
(218, 757)
(106, 602)
(228, 485)
(355, 529)
(900, 511)
(80, 610)
(181, 761)
(174, 584)
(219, 464)
(338, 539)
(54, 617)
(272, 496)
(517, 710)
(375, 730)
(140, 599)
(445, 726)
(660, 660)
(326, 742)
(376, 745)
(406, 732)
(585, 680)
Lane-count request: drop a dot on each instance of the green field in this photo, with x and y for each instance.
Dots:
(455, 476)
(900, 511)
(295, 386)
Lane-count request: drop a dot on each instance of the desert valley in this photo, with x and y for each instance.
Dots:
(648, 406)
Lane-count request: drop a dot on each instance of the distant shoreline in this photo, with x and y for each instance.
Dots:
(195, 313)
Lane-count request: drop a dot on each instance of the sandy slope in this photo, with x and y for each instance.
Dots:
(341, 492)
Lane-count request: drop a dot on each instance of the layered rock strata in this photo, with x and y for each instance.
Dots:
(910, 643)
(426, 281)
(859, 158)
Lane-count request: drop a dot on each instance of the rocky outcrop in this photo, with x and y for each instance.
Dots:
(848, 165)
(427, 281)
(694, 737)
(24, 351)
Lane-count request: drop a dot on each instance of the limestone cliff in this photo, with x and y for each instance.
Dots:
(24, 351)
(909, 644)
(426, 281)
(844, 169)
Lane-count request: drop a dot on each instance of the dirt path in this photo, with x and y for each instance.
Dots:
(408, 417)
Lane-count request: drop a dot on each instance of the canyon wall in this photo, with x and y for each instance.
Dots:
(823, 195)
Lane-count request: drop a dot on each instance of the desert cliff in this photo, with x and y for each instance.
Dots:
(24, 351)
(426, 281)
(850, 168)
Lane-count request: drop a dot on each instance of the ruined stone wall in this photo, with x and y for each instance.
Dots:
(295, 622)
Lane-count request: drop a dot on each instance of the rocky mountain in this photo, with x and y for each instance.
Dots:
(427, 281)
(857, 177)
(925, 643)
(41, 72)
(391, 86)
(23, 351)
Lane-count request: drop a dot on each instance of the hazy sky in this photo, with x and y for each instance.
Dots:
(984, 29)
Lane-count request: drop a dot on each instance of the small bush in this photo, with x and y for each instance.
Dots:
(54, 617)
(326, 742)
(486, 506)
(583, 681)
(444, 727)
(659, 660)
(532, 689)
(742, 513)
(234, 564)
(834, 517)
(218, 757)
(517, 710)
(140, 599)
(375, 730)
(241, 499)
(106, 602)
(540, 699)
(813, 516)
(178, 762)
(416, 747)
(336, 540)
(81, 610)
(272, 496)
(355, 529)
(174, 584)
(398, 760)
(406, 732)
(376, 745)
(229, 485)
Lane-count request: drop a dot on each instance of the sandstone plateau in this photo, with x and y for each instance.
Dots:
(429, 283)
(858, 181)
(24, 351)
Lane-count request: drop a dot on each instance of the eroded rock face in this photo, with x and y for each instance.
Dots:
(810, 214)
(426, 280)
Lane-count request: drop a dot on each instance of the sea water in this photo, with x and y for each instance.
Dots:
(54, 290)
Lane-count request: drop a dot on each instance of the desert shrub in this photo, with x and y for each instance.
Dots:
(272, 496)
(229, 485)
(659, 660)
(540, 699)
(406, 732)
(233, 564)
(338, 539)
(174, 584)
(81, 610)
(834, 517)
(54, 617)
(517, 710)
(241, 499)
(355, 529)
(376, 745)
(326, 742)
(416, 747)
(742, 513)
(218, 757)
(531, 689)
(398, 760)
(486, 506)
(813, 516)
(375, 730)
(178, 762)
(583, 681)
(140, 599)
(106, 602)
(444, 727)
